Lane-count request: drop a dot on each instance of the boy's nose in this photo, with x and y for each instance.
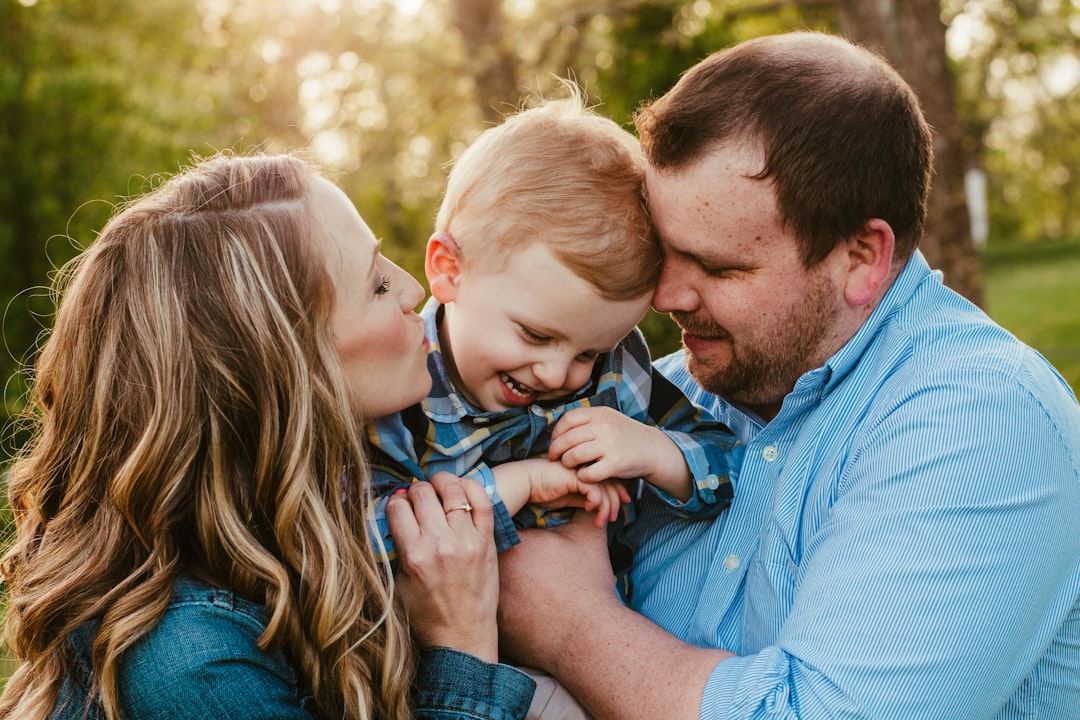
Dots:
(552, 372)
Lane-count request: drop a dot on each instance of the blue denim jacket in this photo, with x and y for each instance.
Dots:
(202, 661)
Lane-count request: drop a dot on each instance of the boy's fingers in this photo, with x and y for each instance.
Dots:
(571, 419)
(567, 441)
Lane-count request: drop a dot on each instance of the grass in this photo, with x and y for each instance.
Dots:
(1033, 291)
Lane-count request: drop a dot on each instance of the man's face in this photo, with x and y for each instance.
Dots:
(753, 317)
(529, 331)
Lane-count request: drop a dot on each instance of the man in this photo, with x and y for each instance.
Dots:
(904, 537)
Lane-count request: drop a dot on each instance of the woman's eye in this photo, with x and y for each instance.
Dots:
(384, 286)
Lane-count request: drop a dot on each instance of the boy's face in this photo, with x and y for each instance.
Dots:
(529, 331)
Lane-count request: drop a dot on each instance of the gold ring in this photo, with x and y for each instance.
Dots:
(466, 507)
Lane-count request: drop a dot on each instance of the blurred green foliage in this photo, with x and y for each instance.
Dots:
(97, 97)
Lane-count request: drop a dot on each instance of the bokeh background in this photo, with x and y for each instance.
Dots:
(99, 97)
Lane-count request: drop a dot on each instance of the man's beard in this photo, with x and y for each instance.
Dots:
(764, 367)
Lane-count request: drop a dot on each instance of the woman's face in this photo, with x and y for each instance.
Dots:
(379, 339)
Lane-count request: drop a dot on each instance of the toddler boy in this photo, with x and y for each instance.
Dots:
(541, 266)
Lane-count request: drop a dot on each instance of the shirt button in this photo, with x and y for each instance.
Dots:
(536, 410)
(712, 482)
(770, 453)
(731, 562)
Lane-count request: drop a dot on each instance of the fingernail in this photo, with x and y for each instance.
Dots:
(400, 491)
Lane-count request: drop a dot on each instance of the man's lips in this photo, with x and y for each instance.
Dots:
(698, 344)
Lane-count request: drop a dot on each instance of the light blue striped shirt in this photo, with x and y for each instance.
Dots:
(905, 536)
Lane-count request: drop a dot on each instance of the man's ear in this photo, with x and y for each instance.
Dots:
(442, 265)
(869, 259)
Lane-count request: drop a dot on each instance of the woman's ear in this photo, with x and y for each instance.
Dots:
(869, 254)
(442, 265)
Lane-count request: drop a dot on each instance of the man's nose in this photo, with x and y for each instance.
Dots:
(674, 292)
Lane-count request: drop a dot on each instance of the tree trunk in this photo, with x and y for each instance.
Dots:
(493, 68)
(911, 35)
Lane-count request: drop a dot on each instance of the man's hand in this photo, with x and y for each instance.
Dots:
(548, 583)
(558, 611)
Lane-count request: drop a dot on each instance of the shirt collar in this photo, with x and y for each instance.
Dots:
(443, 403)
(446, 404)
(915, 272)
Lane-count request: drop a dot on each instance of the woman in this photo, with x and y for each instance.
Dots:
(191, 513)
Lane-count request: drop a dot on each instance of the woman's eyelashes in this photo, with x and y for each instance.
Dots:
(384, 285)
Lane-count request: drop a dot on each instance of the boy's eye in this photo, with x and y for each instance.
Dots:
(384, 286)
(588, 356)
(533, 337)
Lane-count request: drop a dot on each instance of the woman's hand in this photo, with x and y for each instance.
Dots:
(448, 575)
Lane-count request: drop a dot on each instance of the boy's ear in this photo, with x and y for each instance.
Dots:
(442, 265)
(869, 257)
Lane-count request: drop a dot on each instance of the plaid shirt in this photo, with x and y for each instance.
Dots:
(446, 432)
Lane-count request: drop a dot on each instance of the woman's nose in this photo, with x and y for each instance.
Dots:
(412, 291)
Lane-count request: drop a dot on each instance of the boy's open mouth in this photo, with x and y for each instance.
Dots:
(519, 390)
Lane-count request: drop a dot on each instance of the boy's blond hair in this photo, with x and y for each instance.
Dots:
(560, 174)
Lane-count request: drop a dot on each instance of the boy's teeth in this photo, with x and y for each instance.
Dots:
(515, 387)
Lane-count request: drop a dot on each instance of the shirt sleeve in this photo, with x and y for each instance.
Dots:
(712, 452)
(453, 684)
(506, 535)
(948, 564)
(386, 478)
(394, 465)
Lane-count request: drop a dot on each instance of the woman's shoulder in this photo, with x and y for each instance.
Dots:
(203, 660)
(202, 623)
(206, 650)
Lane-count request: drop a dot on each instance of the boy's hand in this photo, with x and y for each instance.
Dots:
(554, 485)
(602, 443)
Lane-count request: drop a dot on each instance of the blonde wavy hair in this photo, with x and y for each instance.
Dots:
(191, 415)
